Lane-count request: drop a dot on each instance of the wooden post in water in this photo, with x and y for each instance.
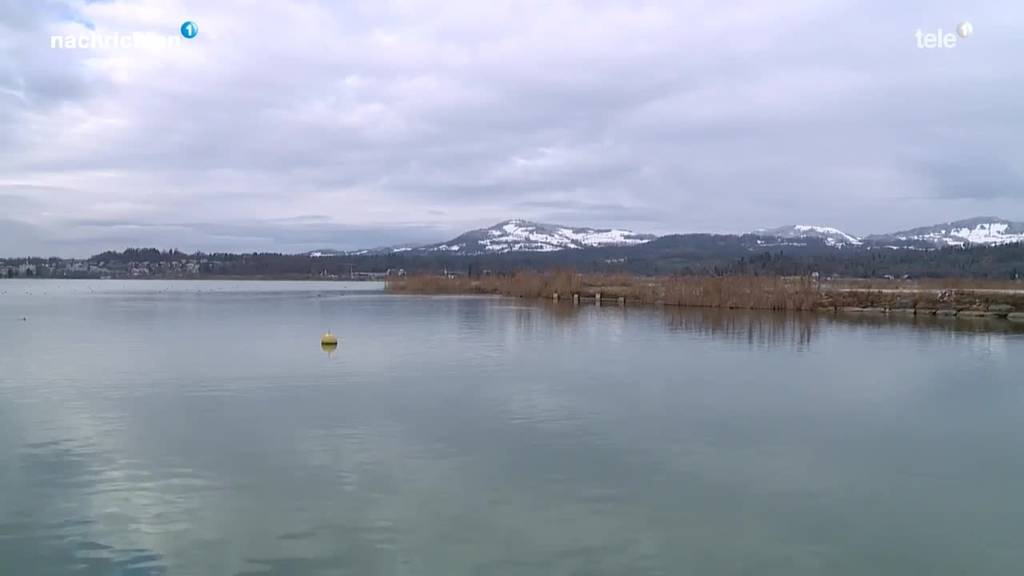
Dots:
(597, 298)
(576, 299)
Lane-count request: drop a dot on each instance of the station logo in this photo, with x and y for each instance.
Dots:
(942, 39)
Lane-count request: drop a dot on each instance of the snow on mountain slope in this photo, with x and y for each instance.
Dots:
(831, 236)
(326, 253)
(525, 236)
(978, 231)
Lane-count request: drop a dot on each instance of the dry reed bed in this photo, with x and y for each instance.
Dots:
(734, 292)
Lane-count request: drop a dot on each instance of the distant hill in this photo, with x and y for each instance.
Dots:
(526, 236)
(976, 247)
(831, 236)
(987, 231)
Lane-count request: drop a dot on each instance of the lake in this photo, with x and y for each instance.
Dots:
(153, 427)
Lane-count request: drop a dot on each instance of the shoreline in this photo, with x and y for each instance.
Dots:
(955, 298)
(202, 279)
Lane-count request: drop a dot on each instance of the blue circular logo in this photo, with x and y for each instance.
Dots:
(189, 29)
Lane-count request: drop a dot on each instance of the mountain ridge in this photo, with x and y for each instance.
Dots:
(981, 230)
(525, 236)
(831, 236)
(519, 235)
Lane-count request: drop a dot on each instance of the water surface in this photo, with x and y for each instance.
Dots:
(198, 428)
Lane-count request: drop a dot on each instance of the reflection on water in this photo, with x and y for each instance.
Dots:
(48, 531)
(760, 328)
(753, 327)
(198, 428)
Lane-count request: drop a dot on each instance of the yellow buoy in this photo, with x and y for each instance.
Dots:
(328, 339)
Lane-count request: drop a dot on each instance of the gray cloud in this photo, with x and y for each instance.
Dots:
(311, 232)
(363, 123)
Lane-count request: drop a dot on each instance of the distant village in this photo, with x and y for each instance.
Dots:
(171, 264)
(71, 268)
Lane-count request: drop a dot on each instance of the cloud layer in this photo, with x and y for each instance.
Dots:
(352, 124)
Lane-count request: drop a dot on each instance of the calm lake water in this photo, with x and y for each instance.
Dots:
(198, 428)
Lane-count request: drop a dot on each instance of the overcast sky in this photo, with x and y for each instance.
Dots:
(292, 126)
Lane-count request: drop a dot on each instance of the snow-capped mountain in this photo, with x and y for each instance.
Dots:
(525, 236)
(830, 236)
(973, 231)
